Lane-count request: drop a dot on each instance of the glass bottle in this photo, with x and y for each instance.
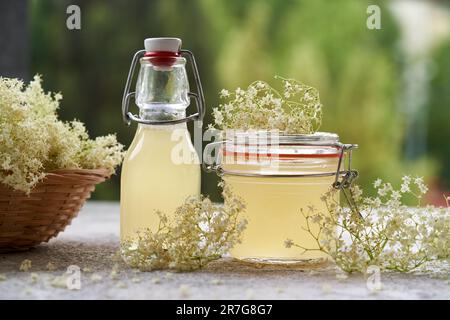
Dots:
(161, 168)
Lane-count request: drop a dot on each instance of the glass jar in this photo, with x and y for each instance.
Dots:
(280, 177)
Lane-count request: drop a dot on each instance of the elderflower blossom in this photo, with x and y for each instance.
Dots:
(224, 93)
(25, 265)
(377, 183)
(421, 185)
(34, 141)
(381, 230)
(200, 232)
(297, 110)
(288, 243)
(406, 181)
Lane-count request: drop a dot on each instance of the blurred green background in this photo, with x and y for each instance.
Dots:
(383, 89)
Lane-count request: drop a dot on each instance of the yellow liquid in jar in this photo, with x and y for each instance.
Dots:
(155, 178)
(273, 211)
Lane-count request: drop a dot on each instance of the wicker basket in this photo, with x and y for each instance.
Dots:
(28, 220)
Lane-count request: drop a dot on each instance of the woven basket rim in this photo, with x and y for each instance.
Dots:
(70, 176)
(63, 172)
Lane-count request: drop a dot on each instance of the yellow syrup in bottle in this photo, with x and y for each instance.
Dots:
(161, 168)
(160, 171)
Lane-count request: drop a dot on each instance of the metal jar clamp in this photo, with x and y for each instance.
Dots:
(199, 98)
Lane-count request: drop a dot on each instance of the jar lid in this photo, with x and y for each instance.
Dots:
(285, 154)
(265, 144)
(317, 138)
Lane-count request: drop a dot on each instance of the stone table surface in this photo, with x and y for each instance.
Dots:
(92, 240)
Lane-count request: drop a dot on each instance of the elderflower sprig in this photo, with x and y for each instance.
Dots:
(34, 141)
(296, 110)
(382, 230)
(200, 232)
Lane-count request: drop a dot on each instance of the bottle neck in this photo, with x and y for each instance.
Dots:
(162, 92)
(166, 127)
(161, 113)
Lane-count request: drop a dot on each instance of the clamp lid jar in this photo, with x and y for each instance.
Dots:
(279, 177)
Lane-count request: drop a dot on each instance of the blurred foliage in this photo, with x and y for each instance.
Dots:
(322, 43)
(439, 113)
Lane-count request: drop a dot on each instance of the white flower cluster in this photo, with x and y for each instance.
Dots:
(201, 232)
(297, 110)
(381, 230)
(33, 141)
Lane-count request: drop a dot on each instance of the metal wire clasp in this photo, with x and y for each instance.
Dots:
(345, 178)
(198, 96)
(209, 163)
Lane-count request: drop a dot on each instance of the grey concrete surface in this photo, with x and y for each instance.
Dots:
(92, 240)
